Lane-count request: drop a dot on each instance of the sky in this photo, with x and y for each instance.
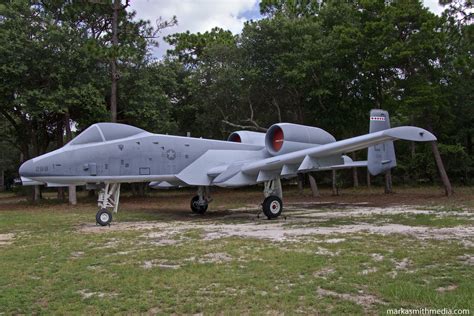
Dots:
(203, 15)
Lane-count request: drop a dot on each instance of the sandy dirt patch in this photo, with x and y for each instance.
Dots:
(299, 223)
(365, 300)
(325, 252)
(218, 257)
(148, 264)
(467, 259)
(6, 239)
(448, 288)
(324, 272)
(85, 294)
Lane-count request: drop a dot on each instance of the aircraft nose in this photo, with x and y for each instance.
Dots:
(27, 169)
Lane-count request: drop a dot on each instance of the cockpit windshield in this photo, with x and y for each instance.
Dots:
(101, 132)
(90, 135)
(112, 131)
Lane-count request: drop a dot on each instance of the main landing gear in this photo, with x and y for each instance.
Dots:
(109, 197)
(200, 202)
(272, 206)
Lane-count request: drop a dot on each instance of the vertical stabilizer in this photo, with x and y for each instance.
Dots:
(380, 157)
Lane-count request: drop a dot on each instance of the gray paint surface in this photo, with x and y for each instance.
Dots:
(114, 153)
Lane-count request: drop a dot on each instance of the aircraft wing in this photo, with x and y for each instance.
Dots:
(321, 157)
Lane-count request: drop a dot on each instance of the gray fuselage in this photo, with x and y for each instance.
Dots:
(131, 158)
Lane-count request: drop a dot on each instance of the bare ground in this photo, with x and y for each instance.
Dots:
(300, 220)
(317, 229)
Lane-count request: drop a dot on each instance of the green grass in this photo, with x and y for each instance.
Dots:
(51, 266)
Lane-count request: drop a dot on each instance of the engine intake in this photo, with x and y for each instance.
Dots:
(283, 138)
(247, 137)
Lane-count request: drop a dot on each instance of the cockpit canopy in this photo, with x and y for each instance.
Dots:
(102, 132)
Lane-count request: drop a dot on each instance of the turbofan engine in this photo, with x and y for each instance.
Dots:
(283, 138)
(247, 137)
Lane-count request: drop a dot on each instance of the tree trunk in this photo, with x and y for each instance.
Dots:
(413, 144)
(60, 143)
(355, 176)
(442, 172)
(72, 195)
(36, 193)
(113, 63)
(71, 188)
(140, 189)
(61, 194)
(335, 190)
(2, 181)
(388, 182)
(469, 143)
(300, 179)
(314, 185)
(67, 126)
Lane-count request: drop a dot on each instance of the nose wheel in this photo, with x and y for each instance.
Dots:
(109, 197)
(103, 217)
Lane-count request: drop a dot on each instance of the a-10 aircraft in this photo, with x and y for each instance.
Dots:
(108, 154)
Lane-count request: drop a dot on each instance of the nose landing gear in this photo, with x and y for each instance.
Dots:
(109, 197)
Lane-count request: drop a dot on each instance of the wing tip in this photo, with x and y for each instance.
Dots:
(411, 133)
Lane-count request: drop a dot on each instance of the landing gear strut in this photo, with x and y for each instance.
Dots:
(109, 197)
(200, 202)
(272, 206)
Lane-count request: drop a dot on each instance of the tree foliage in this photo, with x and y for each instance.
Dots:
(327, 63)
(321, 63)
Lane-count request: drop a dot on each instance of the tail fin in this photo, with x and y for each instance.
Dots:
(380, 157)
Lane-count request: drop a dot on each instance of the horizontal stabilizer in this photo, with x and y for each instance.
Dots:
(354, 164)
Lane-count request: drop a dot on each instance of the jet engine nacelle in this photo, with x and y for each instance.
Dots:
(247, 137)
(283, 138)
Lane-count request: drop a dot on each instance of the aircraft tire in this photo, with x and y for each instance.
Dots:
(196, 208)
(272, 207)
(103, 217)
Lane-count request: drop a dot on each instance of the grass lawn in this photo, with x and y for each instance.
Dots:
(54, 260)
